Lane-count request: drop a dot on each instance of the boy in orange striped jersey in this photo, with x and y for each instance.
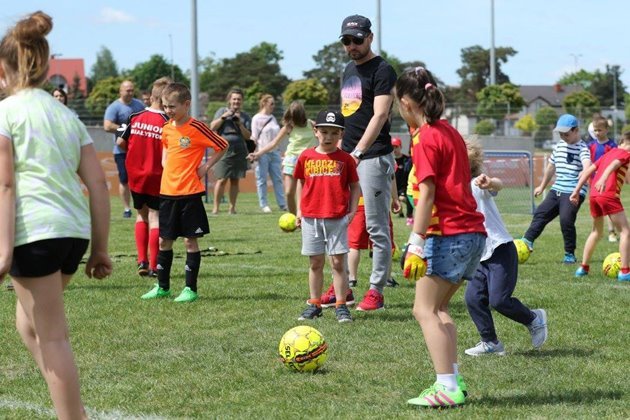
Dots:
(182, 213)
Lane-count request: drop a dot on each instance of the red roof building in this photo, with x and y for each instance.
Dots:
(62, 71)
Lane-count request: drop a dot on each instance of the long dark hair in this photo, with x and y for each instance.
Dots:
(419, 85)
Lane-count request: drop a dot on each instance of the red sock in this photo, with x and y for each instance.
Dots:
(586, 267)
(154, 247)
(625, 270)
(142, 233)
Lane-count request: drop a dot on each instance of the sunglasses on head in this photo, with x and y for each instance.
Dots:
(347, 40)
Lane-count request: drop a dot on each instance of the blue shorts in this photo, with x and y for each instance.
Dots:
(454, 258)
(120, 158)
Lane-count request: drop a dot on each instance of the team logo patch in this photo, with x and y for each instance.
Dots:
(184, 142)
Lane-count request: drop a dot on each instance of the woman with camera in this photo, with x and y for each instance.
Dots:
(233, 125)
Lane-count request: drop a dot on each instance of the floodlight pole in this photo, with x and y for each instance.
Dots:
(194, 77)
(493, 70)
(378, 27)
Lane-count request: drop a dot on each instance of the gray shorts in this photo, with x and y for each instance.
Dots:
(324, 236)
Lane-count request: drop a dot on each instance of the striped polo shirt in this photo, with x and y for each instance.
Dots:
(569, 160)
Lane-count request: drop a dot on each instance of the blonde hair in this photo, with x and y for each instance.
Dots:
(179, 91)
(158, 87)
(24, 52)
(263, 100)
(475, 157)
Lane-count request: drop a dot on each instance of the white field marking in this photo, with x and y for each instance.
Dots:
(13, 404)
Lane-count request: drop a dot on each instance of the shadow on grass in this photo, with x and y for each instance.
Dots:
(103, 286)
(581, 397)
(257, 296)
(565, 352)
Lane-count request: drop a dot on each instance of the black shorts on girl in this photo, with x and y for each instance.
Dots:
(139, 200)
(42, 258)
(185, 217)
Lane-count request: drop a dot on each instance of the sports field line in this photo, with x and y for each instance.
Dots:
(13, 404)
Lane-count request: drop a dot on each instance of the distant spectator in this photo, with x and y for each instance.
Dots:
(61, 95)
(146, 98)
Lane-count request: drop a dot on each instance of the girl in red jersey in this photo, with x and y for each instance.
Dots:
(448, 235)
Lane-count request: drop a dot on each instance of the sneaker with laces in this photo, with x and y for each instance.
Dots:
(266, 209)
(462, 385)
(143, 268)
(486, 347)
(529, 244)
(569, 258)
(372, 301)
(127, 214)
(311, 312)
(352, 282)
(156, 292)
(612, 237)
(623, 277)
(187, 295)
(343, 314)
(391, 282)
(581, 272)
(329, 299)
(438, 396)
(538, 328)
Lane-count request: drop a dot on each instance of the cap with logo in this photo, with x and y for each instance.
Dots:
(357, 26)
(565, 123)
(330, 118)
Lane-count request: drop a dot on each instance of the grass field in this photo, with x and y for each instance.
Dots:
(217, 357)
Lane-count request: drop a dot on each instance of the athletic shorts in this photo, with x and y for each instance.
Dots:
(454, 258)
(288, 164)
(324, 236)
(139, 200)
(45, 257)
(605, 206)
(185, 217)
(358, 237)
(120, 158)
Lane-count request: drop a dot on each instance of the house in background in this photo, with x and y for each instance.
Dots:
(538, 96)
(62, 72)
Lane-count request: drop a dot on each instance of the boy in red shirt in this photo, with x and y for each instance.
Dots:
(605, 201)
(142, 139)
(182, 213)
(330, 193)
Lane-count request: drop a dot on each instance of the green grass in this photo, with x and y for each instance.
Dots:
(218, 356)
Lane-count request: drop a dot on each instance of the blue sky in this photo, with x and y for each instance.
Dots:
(551, 36)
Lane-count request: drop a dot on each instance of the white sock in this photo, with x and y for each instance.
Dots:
(455, 369)
(448, 380)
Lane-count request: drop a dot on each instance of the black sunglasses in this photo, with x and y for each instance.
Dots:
(347, 40)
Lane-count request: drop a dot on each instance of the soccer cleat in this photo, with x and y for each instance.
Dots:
(156, 292)
(569, 258)
(372, 301)
(437, 396)
(581, 272)
(612, 237)
(462, 385)
(352, 282)
(127, 214)
(143, 268)
(623, 277)
(329, 299)
(529, 244)
(486, 347)
(312, 312)
(391, 282)
(187, 295)
(343, 314)
(538, 328)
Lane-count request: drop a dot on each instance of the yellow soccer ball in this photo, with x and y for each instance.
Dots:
(522, 250)
(287, 222)
(303, 349)
(612, 265)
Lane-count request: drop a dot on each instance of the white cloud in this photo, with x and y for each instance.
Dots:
(109, 15)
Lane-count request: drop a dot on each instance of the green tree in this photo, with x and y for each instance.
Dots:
(104, 92)
(145, 73)
(496, 101)
(526, 124)
(485, 127)
(310, 91)
(260, 64)
(581, 104)
(330, 62)
(603, 86)
(580, 78)
(545, 118)
(105, 66)
(76, 98)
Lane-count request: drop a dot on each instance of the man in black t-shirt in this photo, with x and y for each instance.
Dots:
(366, 101)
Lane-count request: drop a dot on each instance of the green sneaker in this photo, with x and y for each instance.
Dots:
(187, 295)
(437, 396)
(156, 292)
(462, 385)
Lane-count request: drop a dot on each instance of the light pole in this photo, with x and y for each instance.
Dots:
(194, 77)
(493, 70)
(614, 68)
(170, 39)
(378, 27)
(576, 58)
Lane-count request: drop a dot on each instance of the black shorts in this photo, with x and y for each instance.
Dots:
(185, 217)
(120, 158)
(41, 258)
(139, 200)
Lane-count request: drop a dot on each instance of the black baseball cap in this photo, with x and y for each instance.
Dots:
(357, 26)
(330, 118)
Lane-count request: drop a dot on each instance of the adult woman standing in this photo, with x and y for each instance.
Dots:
(264, 129)
(234, 125)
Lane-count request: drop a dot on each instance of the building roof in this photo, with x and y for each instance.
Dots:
(68, 68)
(552, 94)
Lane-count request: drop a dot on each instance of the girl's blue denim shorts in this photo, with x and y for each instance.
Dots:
(454, 258)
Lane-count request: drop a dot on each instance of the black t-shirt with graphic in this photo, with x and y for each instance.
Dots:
(360, 85)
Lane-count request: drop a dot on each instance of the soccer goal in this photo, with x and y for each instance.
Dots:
(516, 170)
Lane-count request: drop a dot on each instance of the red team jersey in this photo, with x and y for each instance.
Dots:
(144, 151)
(616, 179)
(442, 156)
(327, 178)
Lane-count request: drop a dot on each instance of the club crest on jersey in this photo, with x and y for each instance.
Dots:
(184, 142)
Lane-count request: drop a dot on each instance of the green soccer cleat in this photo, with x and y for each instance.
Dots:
(437, 396)
(156, 292)
(187, 295)
(462, 385)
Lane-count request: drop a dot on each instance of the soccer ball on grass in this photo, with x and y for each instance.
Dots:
(303, 349)
(612, 265)
(287, 222)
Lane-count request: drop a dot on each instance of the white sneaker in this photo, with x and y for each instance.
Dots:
(538, 328)
(266, 209)
(486, 348)
(612, 237)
